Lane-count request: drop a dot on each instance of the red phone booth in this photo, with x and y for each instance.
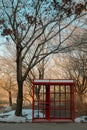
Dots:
(53, 100)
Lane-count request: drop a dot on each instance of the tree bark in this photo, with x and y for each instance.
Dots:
(18, 111)
(10, 99)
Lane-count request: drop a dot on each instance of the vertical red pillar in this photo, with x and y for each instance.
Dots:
(47, 102)
(73, 108)
(33, 101)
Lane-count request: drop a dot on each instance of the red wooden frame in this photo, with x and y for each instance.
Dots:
(55, 102)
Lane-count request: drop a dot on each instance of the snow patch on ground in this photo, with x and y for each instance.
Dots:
(10, 116)
(81, 119)
(13, 118)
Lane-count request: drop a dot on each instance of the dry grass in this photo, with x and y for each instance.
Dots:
(81, 110)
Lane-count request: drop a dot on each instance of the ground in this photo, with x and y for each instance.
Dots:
(43, 126)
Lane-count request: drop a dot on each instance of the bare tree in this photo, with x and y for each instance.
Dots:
(76, 69)
(27, 21)
(8, 85)
(7, 77)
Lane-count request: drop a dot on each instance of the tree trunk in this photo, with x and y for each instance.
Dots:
(18, 111)
(10, 99)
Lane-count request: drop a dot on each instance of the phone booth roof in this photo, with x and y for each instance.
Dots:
(53, 81)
